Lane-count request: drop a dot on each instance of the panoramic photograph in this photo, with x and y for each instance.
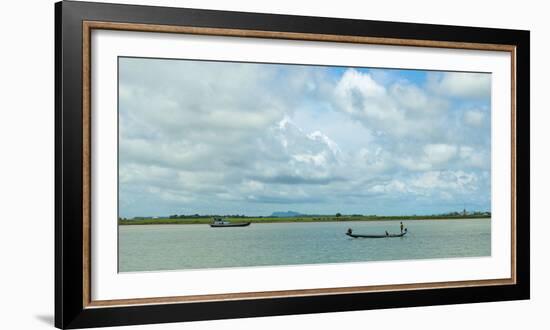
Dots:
(235, 164)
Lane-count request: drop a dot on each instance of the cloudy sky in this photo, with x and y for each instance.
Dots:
(244, 138)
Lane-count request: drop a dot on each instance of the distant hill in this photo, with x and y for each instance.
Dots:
(287, 214)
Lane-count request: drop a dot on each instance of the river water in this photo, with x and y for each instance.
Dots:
(173, 247)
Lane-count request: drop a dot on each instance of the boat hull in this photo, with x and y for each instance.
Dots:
(376, 236)
(229, 225)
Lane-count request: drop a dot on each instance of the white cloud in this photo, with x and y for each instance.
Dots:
(400, 109)
(456, 181)
(413, 163)
(439, 153)
(475, 158)
(391, 187)
(474, 118)
(462, 84)
(360, 96)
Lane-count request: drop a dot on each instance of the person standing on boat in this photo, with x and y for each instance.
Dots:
(401, 227)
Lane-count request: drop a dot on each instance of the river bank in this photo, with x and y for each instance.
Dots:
(207, 220)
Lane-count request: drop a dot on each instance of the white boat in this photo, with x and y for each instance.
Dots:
(220, 222)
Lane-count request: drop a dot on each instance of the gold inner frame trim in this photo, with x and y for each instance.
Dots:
(88, 26)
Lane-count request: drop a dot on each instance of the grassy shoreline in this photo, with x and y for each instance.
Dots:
(207, 220)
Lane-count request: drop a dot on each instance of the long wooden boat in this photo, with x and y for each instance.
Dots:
(376, 236)
(238, 224)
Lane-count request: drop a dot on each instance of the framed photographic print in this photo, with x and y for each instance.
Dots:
(214, 164)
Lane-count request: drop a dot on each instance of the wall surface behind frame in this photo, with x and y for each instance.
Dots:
(26, 163)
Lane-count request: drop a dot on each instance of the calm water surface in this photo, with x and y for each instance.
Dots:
(172, 247)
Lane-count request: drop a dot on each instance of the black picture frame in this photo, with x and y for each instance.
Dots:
(70, 309)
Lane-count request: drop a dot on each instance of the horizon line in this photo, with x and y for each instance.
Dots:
(307, 214)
